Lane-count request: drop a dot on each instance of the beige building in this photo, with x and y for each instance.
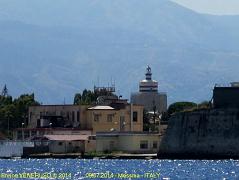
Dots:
(71, 143)
(29, 133)
(130, 142)
(107, 118)
(51, 116)
(116, 116)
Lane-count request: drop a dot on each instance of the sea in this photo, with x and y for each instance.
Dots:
(117, 169)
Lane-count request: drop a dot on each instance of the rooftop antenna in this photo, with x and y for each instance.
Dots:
(111, 81)
(98, 81)
(114, 83)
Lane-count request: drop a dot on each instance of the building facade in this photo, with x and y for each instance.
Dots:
(129, 142)
(108, 118)
(226, 96)
(51, 116)
(148, 94)
(116, 115)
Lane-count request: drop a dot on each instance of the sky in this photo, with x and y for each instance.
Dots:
(219, 7)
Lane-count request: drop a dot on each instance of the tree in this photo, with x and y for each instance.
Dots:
(22, 104)
(205, 104)
(89, 97)
(77, 98)
(5, 91)
(5, 100)
(146, 122)
(13, 113)
(180, 106)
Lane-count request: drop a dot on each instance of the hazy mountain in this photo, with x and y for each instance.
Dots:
(57, 48)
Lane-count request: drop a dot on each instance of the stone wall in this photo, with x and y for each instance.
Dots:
(208, 133)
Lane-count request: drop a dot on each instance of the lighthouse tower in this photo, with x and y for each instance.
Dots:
(148, 94)
(148, 85)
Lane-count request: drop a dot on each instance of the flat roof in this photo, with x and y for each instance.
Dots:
(127, 133)
(45, 105)
(67, 137)
(101, 108)
(54, 129)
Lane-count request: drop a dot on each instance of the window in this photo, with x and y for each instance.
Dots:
(33, 133)
(78, 116)
(26, 134)
(143, 144)
(38, 123)
(122, 123)
(109, 117)
(19, 134)
(96, 117)
(73, 116)
(135, 116)
(155, 145)
(30, 116)
(60, 143)
(92, 138)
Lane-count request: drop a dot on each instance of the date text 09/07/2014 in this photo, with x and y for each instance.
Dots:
(107, 175)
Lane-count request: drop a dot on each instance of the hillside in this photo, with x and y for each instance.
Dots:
(56, 55)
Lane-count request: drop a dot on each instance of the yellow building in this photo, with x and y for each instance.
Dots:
(108, 118)
(115, 116)
(130, 142)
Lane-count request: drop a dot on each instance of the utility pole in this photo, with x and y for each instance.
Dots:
(154, 109)
(22, 132)
(8, 125)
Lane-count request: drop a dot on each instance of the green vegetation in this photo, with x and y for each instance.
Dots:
(14, 112)
(100, 154)
(89, 97)
(181, 106)
(185, 106)
(204, 105)
(148, 122)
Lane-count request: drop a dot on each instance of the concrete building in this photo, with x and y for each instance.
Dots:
(148, 94)
(9, 149)
(227, 96)
(29, 133)
(61, 144)
(128, 142)
(111, 118)
(114, 115)
(71, 143)
(52, 116)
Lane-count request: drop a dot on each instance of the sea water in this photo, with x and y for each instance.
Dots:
(118, 169)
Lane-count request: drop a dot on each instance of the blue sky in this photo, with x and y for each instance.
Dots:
(219, 7)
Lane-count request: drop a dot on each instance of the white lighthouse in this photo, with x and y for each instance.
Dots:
(148, 85)
(148, 94)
